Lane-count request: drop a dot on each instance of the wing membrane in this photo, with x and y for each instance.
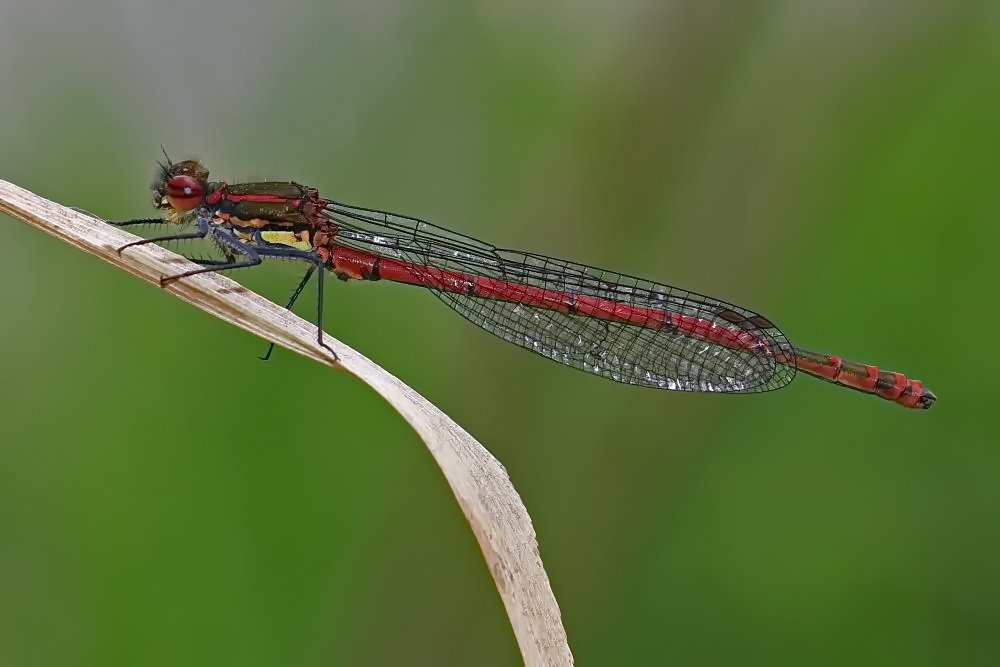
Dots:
(645, 353)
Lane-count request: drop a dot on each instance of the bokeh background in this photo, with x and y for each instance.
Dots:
(166, 499)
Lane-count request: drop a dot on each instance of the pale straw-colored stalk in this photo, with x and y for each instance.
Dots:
(480, 483)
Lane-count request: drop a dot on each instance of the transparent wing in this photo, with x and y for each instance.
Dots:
(632, 331)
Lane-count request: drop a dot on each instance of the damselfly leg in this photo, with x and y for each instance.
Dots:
(137, 221)
(202, 232)
(291, 302)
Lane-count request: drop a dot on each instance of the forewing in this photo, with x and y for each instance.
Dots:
(651, 353)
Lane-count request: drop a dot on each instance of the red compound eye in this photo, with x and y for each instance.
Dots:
(184, 192)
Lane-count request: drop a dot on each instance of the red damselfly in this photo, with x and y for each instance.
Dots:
(622, 328)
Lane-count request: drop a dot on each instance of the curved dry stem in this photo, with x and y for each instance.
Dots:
(480, 483)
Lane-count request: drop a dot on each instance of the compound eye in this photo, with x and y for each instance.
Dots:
(184, 192)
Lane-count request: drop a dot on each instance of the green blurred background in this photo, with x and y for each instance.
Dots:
(166, 499)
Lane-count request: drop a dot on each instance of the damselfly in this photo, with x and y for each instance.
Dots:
(609, 324)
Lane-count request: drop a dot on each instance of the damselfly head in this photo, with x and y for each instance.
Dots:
(180, 185)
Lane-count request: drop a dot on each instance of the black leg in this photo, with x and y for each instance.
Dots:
(209, 262)
(291, 302)
(251, 256)
(229, 244)
(203, 231)
(137, 221)
(251, 260)
(314, 259)
(157, 239)
(319, 315)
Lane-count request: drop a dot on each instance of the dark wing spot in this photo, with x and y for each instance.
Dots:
(731, 316)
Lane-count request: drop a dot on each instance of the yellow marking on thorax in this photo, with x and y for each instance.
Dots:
(299, 240)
